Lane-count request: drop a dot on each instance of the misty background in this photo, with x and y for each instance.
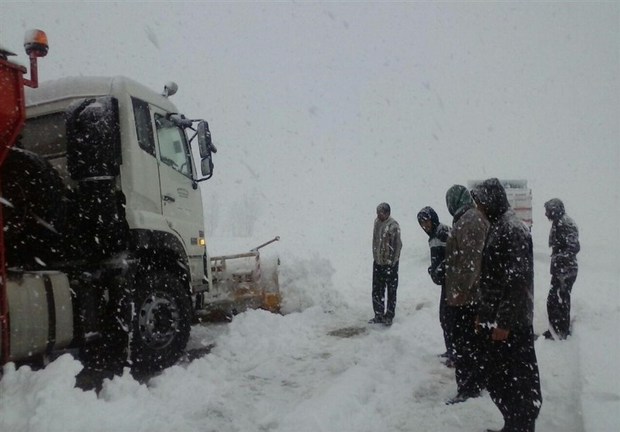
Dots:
(322, 110)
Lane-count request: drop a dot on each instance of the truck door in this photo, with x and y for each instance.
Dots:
(181, 202)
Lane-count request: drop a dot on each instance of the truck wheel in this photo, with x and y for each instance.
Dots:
(160, 321)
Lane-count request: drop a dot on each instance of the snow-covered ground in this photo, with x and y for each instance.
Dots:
(320, 111)
(320, 367)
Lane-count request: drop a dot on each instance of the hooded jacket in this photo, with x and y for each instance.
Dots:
(464, 248)
(437, 244)
(386, 243)
(563, 239)
(507, 274)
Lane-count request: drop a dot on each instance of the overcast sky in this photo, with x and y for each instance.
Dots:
(322, 110)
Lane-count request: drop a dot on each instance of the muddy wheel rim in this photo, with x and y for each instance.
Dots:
(158, 320)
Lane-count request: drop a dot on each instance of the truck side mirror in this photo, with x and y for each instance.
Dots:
(206, 166)
(205, 144)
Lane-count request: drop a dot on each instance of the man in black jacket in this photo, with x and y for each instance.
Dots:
(506, 311)
(437, 236)
(564, 244)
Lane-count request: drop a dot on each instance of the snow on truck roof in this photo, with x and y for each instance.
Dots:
(82, 87)
(508, 184)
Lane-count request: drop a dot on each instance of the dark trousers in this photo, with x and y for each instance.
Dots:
(513, 381)
(467, 350)
(384, 280)
(446, 321)
(558, 302)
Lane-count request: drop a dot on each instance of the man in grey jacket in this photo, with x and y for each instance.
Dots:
(462, 267)
(386, 246)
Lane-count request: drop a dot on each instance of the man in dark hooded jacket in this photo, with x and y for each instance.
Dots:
(437, 236)
(564, 244)
(506, 311)
(463, 260)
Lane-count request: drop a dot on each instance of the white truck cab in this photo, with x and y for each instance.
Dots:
(150, 160)
(105, 218)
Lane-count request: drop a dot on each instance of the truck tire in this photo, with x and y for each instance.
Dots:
(36, 215)
(160, 321)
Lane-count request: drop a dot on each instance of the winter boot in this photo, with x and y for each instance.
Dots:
(462, 397)
(378, 319)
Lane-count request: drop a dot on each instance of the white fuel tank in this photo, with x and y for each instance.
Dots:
(40, 313)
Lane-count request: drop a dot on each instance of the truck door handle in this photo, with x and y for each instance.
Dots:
(169, 198)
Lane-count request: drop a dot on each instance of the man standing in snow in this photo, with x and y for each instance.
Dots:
(386, 247)
(564, 244)
(437, 236)
(463, 260)
(506, 311)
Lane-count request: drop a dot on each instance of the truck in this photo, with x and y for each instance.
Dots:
(519, 196)
(102, 242)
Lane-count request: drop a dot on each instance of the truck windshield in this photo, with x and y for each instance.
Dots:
(45, 135)
(173, 149)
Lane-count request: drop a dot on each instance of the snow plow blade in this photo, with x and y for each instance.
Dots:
(242, 281)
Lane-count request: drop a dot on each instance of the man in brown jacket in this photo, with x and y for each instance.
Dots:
(386, 245)
(463, 262)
